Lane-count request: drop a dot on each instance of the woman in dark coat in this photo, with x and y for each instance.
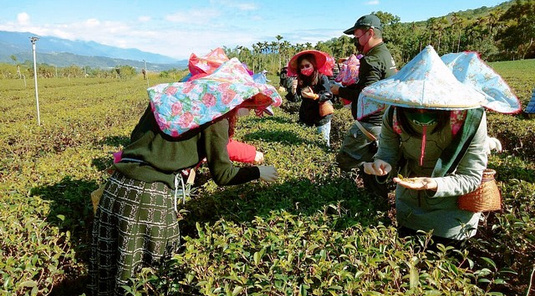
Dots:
(313, 88)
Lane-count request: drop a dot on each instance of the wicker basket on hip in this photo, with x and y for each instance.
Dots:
(485, 198)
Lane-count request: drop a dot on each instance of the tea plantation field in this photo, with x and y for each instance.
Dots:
(315, 231)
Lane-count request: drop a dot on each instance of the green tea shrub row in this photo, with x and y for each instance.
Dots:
(47, 173)
(35, 255)
(517, 134)
(286, 254)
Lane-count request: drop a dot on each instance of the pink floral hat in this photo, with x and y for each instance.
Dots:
(204, 65)
(181, 106)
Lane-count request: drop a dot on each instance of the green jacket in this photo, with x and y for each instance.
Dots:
(163, 156)
(376, 65)
(429, 210)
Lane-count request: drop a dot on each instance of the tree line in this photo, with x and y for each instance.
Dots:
(25, 70)
(503, 32)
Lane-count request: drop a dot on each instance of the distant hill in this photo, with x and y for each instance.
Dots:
(63, 53)
(472, 14)
(482, 11)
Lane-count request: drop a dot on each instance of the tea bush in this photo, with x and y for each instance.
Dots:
(47, 173)
(517, 134)
(315, 231)
(284, 254)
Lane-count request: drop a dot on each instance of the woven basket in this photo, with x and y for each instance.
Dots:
(485, 198)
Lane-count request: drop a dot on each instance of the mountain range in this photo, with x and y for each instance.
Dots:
(16, 47)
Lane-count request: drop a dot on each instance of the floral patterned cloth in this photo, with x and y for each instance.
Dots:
(204, 65)
(182, 106)
(349, 71)
(469, 69)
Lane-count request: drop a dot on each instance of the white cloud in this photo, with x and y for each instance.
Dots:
(144, 19)
(60, 34)
(247, 6)
(185, 42)
(23, 18)
(92, 23)
(176, 35)
(373, 2)
(244, 6)
(199, 16)
(170, 39)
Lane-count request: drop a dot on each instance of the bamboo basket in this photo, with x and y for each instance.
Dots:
(485, 198)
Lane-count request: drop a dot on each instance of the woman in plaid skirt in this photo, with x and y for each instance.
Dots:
(136, 223)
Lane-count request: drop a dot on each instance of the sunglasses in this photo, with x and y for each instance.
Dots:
(305, 66)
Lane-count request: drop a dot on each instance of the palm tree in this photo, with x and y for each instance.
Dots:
(279, 38)
(285, 47)
(256, 54)
(456, 25)
(440, 24)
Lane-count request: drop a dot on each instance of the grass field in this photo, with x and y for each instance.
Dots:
(313, 232)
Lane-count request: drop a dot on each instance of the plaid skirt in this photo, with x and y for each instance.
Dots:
(135, 226)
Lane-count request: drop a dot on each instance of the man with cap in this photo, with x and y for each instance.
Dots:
(359, 144)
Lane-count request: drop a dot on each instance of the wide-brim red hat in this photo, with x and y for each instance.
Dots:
(324, 62)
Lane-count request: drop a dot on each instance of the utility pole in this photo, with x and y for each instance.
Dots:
(33, 40)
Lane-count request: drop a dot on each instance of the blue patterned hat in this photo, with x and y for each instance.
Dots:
(469, 69)
(425, 83)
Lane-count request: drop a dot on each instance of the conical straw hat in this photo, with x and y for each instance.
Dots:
(324, 62)
(470, 69)
(426, 83)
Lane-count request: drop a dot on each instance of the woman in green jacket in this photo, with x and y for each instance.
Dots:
(434, 135)
(136, 222)
(427, 191)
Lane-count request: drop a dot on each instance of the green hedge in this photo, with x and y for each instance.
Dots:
(516, 133)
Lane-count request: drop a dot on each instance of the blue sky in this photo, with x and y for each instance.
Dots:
(179, 28)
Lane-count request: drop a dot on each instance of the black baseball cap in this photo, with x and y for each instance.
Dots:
(367, 21)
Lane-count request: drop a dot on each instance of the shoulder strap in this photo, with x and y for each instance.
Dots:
(452, 155)
(365, 131)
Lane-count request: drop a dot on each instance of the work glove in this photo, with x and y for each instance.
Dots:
(492, 144)
(259, 157)
(268, 173)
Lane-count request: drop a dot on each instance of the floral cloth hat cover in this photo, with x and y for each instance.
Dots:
(181, 106)
(470, 69)
(349, 72)
(425, 82)
(204, 65)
